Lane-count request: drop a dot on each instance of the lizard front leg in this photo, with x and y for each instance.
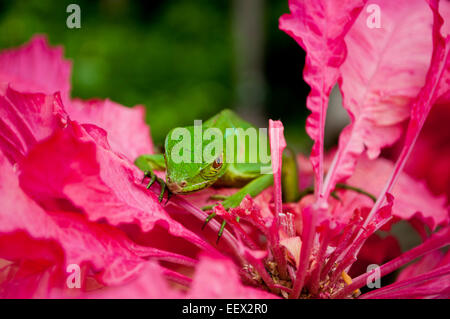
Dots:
(253, 188)
(149, 163)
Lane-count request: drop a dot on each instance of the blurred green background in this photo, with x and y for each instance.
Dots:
(182, 59)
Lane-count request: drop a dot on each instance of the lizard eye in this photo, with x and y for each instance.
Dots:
(217, 162)
(183, 184)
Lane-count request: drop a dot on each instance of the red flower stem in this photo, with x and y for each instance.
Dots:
(421, 293)
(274, 238)
(278, 254)
(242, 235)
(438, 240)
(215, 225)
(309, 222)
(346, 238)
(202, 244)
(406, 284)
(292, 273)
(153, 253)
(247, 278)
(315, 276)
(177, 277)
(277, 145)
(284, 288)
(258, 265)
(180, 260)
(350, 255)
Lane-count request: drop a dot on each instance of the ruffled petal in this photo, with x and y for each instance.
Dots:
(319, 27)
(52, 240)
(76, 165)
(25, 119)
(36, 68)
(150, 284)
(384, 70)
(217, 278)
(412, 198)
(127, 131)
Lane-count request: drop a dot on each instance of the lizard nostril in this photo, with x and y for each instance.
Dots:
(183, 183)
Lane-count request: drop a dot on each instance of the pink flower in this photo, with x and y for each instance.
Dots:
(382, 85)
(72, 196)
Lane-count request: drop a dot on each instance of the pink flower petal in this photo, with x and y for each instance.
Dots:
(107, 250)
(26, 119)
(36, 68)
(412, 198)
(126, 128)
(423, 265)
(436, 85)
(150, 284)
(444, 11)
(77, 165)
(384, 70)
(319, 27)
(217, 278)
(293, 246)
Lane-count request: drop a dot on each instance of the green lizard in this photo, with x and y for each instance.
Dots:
(236, 166)
(243, 169)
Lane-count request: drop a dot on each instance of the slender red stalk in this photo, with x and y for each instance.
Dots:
(346, 237)
(315, 276)
(243, 236)
(177, 277)
(309, 230)
(404, 287)
(438, 240)
(257, 264)
(179, 259)
(277, 145)
(201, 215)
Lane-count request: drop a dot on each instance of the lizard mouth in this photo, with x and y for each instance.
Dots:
(175, 188)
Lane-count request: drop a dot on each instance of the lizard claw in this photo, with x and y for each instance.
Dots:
(161, 183)
(169, 195)
(163, 188)
(210, 216)
(222, 226)
(152, 179)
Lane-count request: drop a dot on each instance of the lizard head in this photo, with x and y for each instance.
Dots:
(187, 170)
